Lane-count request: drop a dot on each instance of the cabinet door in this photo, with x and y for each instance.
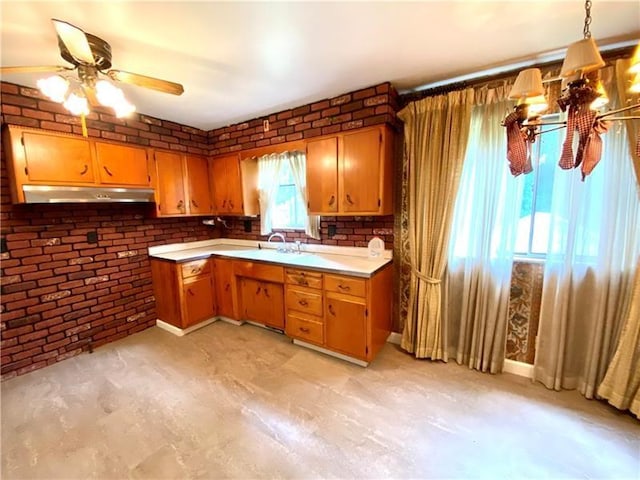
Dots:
(198, 185)
(262, 302)
(361, 172)
(234, 185)
(57, 159)
(198, 300)
(218, 171)
(322, 175)
(345, 324)
(223, 272)
(122, 165)
(170, 188)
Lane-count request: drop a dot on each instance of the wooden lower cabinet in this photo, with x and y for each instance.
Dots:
(346, 324)
(262, 302)
(225, 287)
(184, 292)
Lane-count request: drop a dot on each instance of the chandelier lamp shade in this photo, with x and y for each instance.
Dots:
(582, 96)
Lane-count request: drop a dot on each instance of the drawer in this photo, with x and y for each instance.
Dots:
(347, 285)
(304, 300)
(304, 278)
(259, 271)
(305, 328)
(195, 267)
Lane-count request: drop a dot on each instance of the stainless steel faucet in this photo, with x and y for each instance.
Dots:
(283, 248)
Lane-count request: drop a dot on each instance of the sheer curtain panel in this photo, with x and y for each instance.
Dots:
(593, 251)
(298, 164)
(482, 240)
(268, 182)
(436, 132)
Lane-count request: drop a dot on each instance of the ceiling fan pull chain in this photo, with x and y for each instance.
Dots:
(587, 19)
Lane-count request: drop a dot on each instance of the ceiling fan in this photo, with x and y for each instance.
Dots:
(91, 57)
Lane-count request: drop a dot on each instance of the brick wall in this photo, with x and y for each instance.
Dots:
(62, 295)
(362, 108)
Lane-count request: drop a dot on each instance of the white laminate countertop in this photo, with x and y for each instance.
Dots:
(346, 260)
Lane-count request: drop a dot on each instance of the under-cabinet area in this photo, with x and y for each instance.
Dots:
(347, 315)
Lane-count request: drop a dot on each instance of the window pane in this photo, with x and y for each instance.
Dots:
(290, 212)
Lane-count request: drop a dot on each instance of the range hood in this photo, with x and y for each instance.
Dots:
(62, 194)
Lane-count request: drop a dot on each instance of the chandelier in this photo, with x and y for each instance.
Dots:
(582, 97)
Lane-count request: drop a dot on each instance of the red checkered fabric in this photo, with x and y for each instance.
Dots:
(593, 147)
(579, 118)
(517, 152)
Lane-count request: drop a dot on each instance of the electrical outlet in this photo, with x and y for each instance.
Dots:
(332, 230)
(92, 237)
(265, 125)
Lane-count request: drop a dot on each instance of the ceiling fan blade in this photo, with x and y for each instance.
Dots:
(36, 69)
(75, 40)
(148, 82)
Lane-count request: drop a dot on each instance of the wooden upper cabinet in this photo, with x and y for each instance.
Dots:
(199, 191)
(361, 171)
(234, 183)
(322, 175)
(122, 164)
(170, 195)
(351, 173)
(57, 159)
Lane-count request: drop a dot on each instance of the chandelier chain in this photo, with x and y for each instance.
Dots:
(587, 19)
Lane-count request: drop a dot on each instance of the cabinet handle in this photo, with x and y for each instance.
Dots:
(266, 293)
(107, 170)
(85, 169)
(258, 290)
(195, 204)
(190, 292)
(224, 203)
(304, 303)
(349, 199)
(305, 330)
(226, 288)
(344, 287)
(195, 270)
(331, 310)
(332, 200)
(302, 281)
(180, 205)
(230, 205)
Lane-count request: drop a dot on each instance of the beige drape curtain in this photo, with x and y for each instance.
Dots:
(268, 173)
(483, 237)
(436, 133)
(297, 162)
(621, 384)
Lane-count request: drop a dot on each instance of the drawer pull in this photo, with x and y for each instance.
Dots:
(346, 288)
(331, 310)
(305, 330)
(107, 170)
(304, 303)
(195, 270)
(302, 281)
(85, 169)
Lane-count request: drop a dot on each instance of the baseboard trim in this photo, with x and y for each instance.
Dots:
(394, 338)
(518, 368)
(180, 332)
(230, 320)
(330, 353)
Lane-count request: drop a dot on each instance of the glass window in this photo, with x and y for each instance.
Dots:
(535, 210)
(290, 211)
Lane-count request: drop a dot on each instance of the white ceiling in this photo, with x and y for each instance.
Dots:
(240, 60)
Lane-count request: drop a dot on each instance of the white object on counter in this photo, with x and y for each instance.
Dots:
(376, 247)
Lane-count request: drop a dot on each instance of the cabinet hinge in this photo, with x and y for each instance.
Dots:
(379, 202)
(149, 178)
(366, 312)
(366, 350)
(380, 137)
(26, 171)
(22, 141)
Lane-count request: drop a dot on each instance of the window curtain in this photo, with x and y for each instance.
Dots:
(297, 161)
(621, 384)
(482, 242)
(268, 182)
(593, 251)
(435, 133)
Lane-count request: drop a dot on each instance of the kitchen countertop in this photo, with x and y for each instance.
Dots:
(347, 260)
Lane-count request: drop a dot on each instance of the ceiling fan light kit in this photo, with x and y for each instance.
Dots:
(91, 58)
(582, 95)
